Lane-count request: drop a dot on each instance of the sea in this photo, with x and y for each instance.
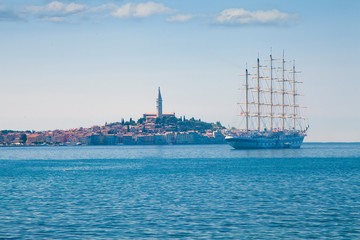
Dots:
(180, 192)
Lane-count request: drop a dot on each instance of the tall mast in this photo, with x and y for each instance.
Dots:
(247, 100)
(258, 93)
(283, 93)
(294, 92)
(271, 93)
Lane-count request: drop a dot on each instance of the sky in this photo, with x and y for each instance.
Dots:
(78, 63)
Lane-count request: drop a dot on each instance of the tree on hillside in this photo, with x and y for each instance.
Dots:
(158, 120)
(23, 138)
(141, 120)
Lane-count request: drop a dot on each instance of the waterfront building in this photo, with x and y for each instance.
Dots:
(95, 139)
(145, 139)
(86, 139)
(128, 139)
(34, 138)
(160, 139)
(110, 139)
(184, 138)
(169, 137)
(106, 139)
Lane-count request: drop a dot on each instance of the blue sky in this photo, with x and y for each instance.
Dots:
(68, 64)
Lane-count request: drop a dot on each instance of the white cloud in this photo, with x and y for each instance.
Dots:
(123, 11)
(180, 18)
(140, 10)
(242, 16)
(54, 19)
(58, 8)
(104, 7)
(58, 11)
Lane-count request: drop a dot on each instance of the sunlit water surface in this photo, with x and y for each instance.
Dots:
(195, 191)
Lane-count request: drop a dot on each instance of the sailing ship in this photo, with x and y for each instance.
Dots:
(270, 110)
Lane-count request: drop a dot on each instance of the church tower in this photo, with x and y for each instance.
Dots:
(159, 104)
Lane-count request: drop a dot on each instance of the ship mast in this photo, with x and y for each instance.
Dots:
(247, 103)
(258, 93)
(283, 93)
(271, 93)
(294, 96)
(247, 100)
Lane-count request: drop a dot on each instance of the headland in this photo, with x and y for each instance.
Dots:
(152, 129)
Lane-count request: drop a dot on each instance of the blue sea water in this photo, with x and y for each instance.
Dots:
(181, 192)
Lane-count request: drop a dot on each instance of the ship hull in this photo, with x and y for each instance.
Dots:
(264, 142)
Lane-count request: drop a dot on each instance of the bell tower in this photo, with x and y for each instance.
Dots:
(159, 104)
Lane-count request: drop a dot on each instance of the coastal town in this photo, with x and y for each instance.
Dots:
(152, 129)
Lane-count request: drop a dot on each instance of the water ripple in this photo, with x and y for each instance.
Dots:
(58, 193)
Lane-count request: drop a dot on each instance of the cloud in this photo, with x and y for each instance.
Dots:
(241, 16)
(54, 19)
(57, 9)
(58, 12)
(180, 18)
(140, 10)
(104, 7)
